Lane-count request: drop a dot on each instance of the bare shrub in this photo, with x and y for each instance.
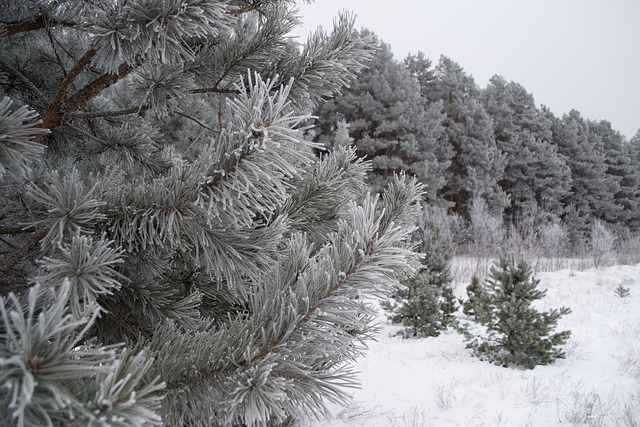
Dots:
(487, 232)
(603, 242)
(583, 408)
(553, 239)
(445, 395)
(415, 417)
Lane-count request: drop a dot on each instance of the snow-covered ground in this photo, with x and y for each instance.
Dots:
(436, 381)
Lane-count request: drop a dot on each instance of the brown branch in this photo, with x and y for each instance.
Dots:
(246, 9)
(216, 90)
(54, 116)
(17, 230)
(73, 74)
(25, 250)
(88, 92)
(41, 22)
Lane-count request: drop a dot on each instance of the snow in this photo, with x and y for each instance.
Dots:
(436, 381)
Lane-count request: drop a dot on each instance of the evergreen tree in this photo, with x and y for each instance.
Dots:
(477, 303)
(633, 151)
(421, 69)
(516, 333)
(390, 124)
(477, 165)
(592, 190)
(426, 304)
(536, 177)
(173, 252)
(623, 172)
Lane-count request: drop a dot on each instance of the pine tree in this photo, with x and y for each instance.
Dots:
(592, 190)
(390, 124)
(623, 172)
(477, 300)
(477, 165)
(173, 251)
(516, 333)
(536, 177)
(426, 304)
(633, 151)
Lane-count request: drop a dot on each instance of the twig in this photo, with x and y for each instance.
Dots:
(40, 23)
(73, 74)
(216, 90)
(246, 9)
(25, 250)
(28, 83)
(99, 114)
(17, 230)
(12, 283)
(88, 92)
(53, 117)
(55, 52)
(195, 120)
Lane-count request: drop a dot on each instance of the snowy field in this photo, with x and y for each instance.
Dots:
(436, 382)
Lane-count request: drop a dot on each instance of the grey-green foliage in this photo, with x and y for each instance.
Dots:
(389, 123)
(623, 170)
(477, 166)
(513, 331)
(426, 303)
(593, 189)
(632, 148)
(173, 252)
(477, 303)
(536, 177)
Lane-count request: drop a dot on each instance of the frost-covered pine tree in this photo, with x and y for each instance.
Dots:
(426, 303)
(516, 333)
(172, 250)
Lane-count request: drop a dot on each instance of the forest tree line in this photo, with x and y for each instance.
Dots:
(491, 146)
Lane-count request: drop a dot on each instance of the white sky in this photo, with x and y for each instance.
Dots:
(580, 54)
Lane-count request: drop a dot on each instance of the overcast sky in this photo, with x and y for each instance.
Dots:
(570, 54)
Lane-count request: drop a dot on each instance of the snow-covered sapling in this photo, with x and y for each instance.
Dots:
(426, 305)
(622, 291)
(515, 332)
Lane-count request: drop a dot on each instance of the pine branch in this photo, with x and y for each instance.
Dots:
(246, 9)
(85, 94)
(216, 90)
(17, 230)
(198, 122)
(276, 343)
(54, 116)
(25, 249)
(42, 21)
(332, 290)
(73, 74)
(28, 83)
(99, 114)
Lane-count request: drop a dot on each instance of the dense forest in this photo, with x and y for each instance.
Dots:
(490, 147)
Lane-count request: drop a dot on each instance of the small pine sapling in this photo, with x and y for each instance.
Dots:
(476, 306)
(622, 291)
(516, 333)
(427, 304)
(416, 307)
